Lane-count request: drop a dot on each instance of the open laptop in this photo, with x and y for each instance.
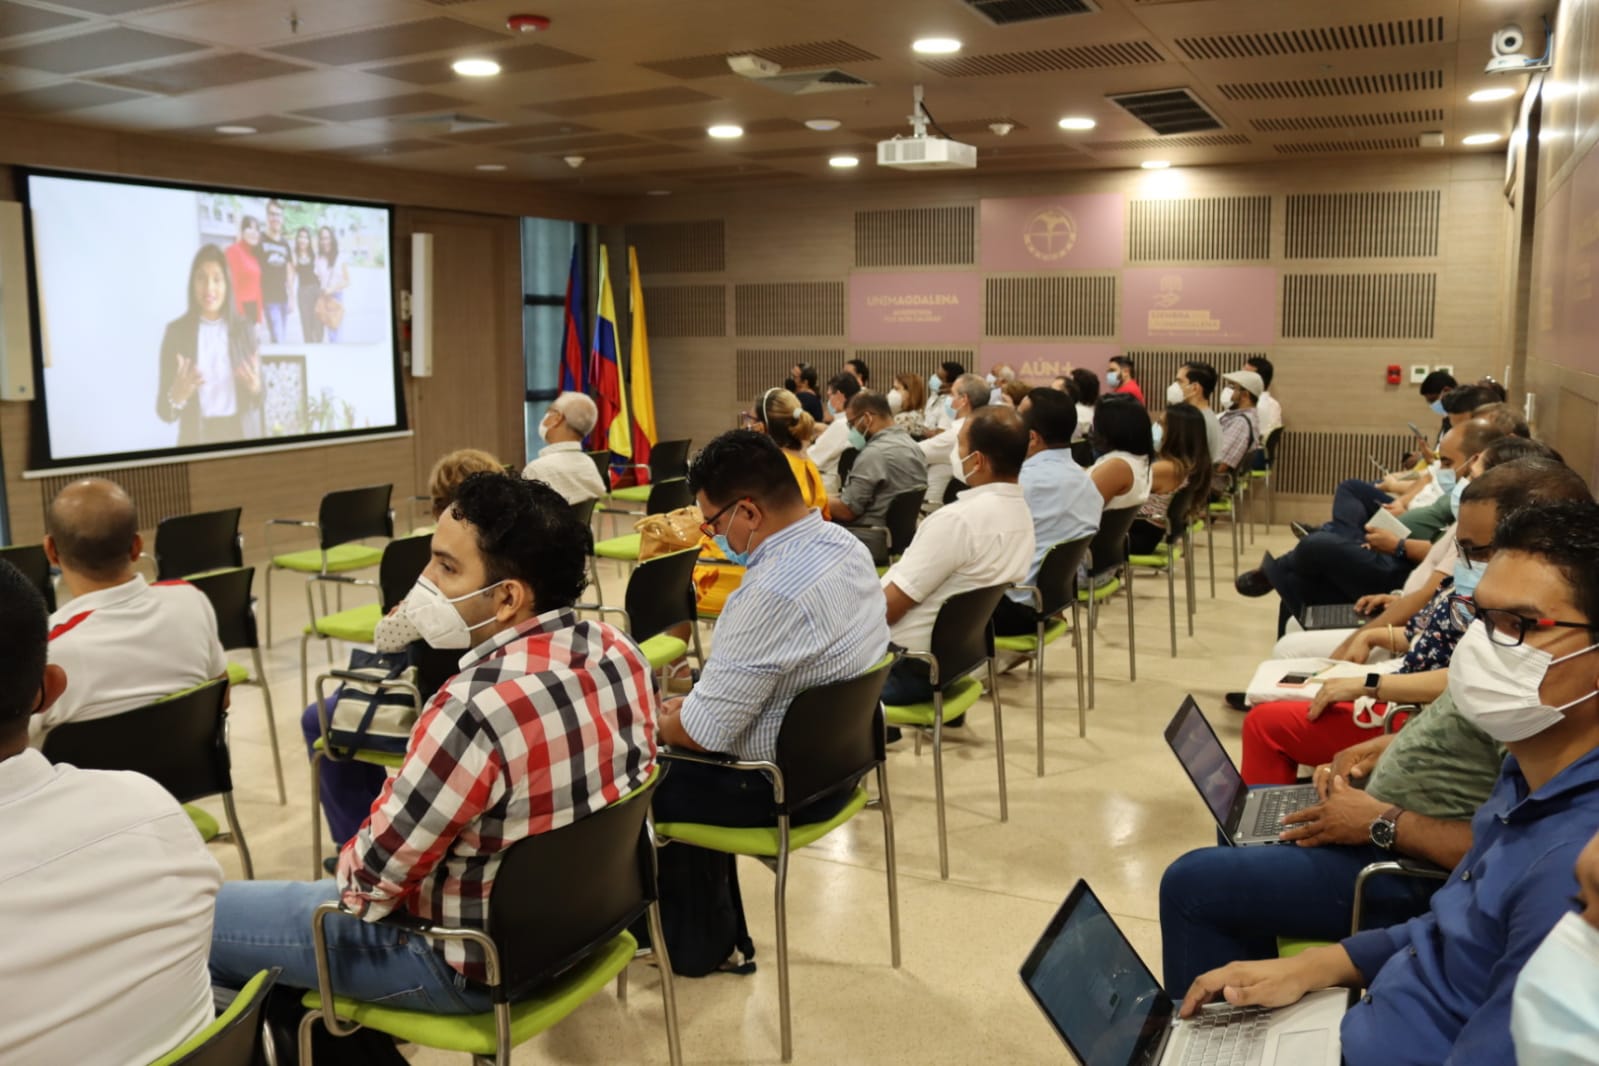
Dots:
(1331, 616)
(1110, 1011)
(1246, 816)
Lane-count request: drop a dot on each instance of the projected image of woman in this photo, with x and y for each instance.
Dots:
(244, 261)
(334, 276)
(306, 287)
(210, 381)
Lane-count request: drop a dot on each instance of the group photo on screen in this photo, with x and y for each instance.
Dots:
(240, 317)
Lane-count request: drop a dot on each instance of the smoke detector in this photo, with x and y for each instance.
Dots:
(527, 23)
(573, 161)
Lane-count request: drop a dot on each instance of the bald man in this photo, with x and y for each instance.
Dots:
(123, 642)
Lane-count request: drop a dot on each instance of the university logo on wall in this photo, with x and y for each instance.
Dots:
(1051, 234)
(1032, 233)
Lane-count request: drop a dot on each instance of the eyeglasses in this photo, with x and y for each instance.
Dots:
(1474, 556)
(708, 527)
(1505, 628)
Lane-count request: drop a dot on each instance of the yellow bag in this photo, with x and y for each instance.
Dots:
(664, 534)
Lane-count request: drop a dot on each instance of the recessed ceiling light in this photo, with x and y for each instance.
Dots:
(1076, 122)
(843, 162)
(1480, 138)
(475, 68)
(936, 46)
(491, 166)
(659, 192)
(236, 131)
(822, 125)
(1483, 96)
(1155, 164)
(726, 133)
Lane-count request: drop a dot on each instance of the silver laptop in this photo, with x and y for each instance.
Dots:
(1110, 1011)
(1246, 816)
(1331, 616)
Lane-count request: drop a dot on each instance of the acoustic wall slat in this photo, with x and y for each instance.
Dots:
(679, 247)
(686, 310)
(1157, 367)
(1062, 305)
(1360, 306)
(1200, 229)
(916, 236)
(888, 363)
(789, 309)
(1311, 463)
(157, 491)
(759, 369)
(1362, 225)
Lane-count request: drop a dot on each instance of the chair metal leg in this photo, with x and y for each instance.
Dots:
(1210, 543)
(267, 581)
(674, 1044)
(1093, 619)
(1132, 632)
(1171, 594)
(886, 809)
(272, 725)
(238, 836)
(1077, 646)
(999, 739)
(310, 1019)
(938, 783)
(1038, 693)
(305, 679)
(785, 1023)
(1190, 582)
(316, 815)
(621, 987)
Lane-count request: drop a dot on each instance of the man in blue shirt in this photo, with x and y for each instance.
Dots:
(1061, 496)
(1439, 986)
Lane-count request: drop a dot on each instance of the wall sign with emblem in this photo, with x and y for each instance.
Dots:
(915, 308)
(1199, 305)
(1034, 233)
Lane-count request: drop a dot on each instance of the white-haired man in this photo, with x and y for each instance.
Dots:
(561, 463)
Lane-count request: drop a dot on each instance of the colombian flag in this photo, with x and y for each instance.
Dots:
(605, 369)
(640, 390)
(574, 372)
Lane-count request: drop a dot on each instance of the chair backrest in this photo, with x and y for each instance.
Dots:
(355, 514)
(846, 463)
(229, 593)
(1178, 511)
(560, 894)
(236, 1037)
(1271, 445)
(953, 489)
(666, 496)
(1083, 453)
(963, 637)
(660, 593)
(876, 541)
(35, 566)
(1057, 574)
(193, 543)
(602, 463)
(181, 743)
(585, 511)
(903, 510)
(830, 735)
(669, 460)
(1108, 550)
(404, 559)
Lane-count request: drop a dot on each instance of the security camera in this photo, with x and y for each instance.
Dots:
(1001, 128)
(1508, 41)
(1508, 57)
(573, 161)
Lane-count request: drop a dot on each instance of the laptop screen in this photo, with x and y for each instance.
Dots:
(1093, 987)
(1196, 746)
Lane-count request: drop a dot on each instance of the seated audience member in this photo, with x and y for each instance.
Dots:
(805, 381)
(908, 400)
(1119, 378)
(969, 393)
(938, 415)
(1267, 409)
(1013, 392)
(1124, 448)
(1282, 735)
(550, 719)
(1063, 501)
(1085, 393)
(1060, 383)
(1554, 1013)
(348, 787)
(887, 463)
(1240, 429)
(1460, 405)
(1439, 987)
(781, 419)
(1194, 385)
(125, 642)
(108, 889)
(831, 444)
(1181, 459)
(984, 538)
(997, 378)
(562, 463)
(856, 368)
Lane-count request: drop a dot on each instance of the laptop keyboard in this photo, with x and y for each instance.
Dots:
(1232, 1037)
(1276, 804)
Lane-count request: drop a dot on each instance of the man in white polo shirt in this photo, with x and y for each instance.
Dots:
(984, 538)
(561, 463)
(125, 643)
(108, 890)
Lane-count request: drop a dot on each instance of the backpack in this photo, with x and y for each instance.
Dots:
(702, 914)
(370, 716)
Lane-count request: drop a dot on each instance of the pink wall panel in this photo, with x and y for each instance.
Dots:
(1034, 233)
(1199, 305)
(915, 308)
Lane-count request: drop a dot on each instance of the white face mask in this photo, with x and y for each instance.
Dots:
(896, 400)
(1556, 1002)
(435, 617)
(1174, 392)
(1496, 688)
(960, 466)
(1227, 395)
(544, 431)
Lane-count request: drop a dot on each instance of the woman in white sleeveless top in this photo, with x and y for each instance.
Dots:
(1126, 446)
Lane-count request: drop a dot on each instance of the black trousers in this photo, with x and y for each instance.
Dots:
(1012, 619)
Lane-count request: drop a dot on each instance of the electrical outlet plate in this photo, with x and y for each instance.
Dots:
(1447, 368)
(1418, 373)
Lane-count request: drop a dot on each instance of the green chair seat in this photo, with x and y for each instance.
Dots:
(203, 822)
(356, 625)
(1259, 474)
(1100, 593)
(240, 1004)
(1155, 560)
(1027, 643)
(1222, 506)
(958, 699)
(238, 674)
(389, 760)
(762, 841)
(625, 547)
(632, 494)
(663, 650)
(1288, 947)
(341, 557)
(474, 1034)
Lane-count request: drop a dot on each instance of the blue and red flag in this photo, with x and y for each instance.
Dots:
(574, 368)
(605, 369)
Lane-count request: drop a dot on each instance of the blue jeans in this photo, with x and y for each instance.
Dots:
(347, 788)
(268, 923)
(1224, 904)
(1354, 502)
(1330, 568)
(907, 683)
(277, 316)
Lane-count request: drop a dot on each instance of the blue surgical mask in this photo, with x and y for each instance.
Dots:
(934, 383)
(1437, 407)
(835, 411)
(1556, 999)
(1467, 575)
(1112, 378)
(737, 558)
(1455, 494)
(1158, 431)
(1445, 478)
(857, 439)
(949, 407)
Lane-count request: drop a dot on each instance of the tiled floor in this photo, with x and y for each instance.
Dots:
(1113, 808)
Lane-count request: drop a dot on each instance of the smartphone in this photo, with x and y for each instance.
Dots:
(1419, 434)
(1295, 679)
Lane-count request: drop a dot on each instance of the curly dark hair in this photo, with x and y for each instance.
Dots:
(527, 532)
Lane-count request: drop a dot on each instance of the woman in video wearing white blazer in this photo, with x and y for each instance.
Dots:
(210, 381)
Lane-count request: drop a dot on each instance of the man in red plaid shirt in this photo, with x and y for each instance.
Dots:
(549, 720)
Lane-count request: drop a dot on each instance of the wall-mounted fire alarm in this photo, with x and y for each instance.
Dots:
(1393, 373)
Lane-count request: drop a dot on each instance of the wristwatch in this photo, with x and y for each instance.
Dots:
(1385, 830)
(1399, 549)
(1371, 683)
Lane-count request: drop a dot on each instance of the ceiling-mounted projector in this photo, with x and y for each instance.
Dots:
(920, 151)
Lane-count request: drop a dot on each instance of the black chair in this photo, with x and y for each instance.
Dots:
(953, 489)
(229, 593)
(1054, 593)
(668, 462)
(198, 543)
(344, 519)
(35, 566)
(876, 540)
(181, 743)
(556, 932)
(1176, 545)
(846, 463)
(903, 511)
(602, 463)
(1109, 573)
(831, 737)
(1264, 469)
(400, 563)
(1398, 866)
(585, 514)
(238, 1035)
(664, 497)
(659, 596)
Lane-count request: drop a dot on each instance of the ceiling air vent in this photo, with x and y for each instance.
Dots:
(1168, 110)
(1005, 12)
